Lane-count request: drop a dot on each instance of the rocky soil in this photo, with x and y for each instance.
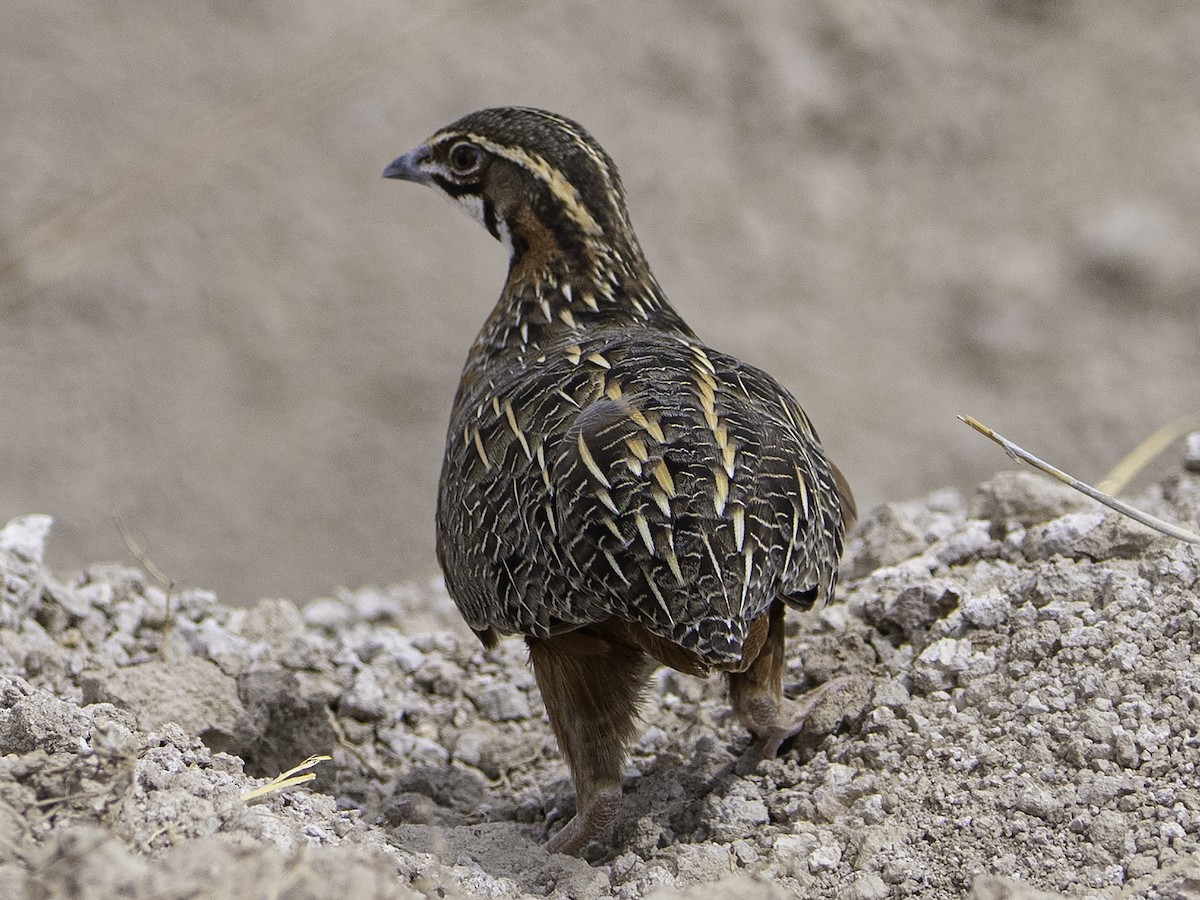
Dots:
(1022, 720)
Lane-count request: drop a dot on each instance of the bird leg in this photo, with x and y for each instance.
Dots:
(757, 697)
(590, 686)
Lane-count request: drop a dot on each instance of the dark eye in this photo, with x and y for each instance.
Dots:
(465, 158)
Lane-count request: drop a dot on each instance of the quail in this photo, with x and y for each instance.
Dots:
(613, 489)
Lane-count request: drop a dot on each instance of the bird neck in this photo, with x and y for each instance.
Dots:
(563, 284)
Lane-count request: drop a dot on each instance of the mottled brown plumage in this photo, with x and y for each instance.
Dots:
(614, 489)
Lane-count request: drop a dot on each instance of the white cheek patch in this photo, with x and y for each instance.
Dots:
(473, 204)
(505, 237)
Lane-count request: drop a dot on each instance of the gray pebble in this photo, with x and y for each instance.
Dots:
(365, 700)
(1191, 453)
(940, 663)
(867, 886)
(987, 610)
(327, 613)
(1110, 830)
(498, 701)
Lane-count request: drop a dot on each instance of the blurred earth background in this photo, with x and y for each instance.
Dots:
(219, 323)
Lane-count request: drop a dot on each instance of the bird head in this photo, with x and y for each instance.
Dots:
(532, 178)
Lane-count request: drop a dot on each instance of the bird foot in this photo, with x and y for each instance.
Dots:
(789, 720)
(587, 823)
(571, 838)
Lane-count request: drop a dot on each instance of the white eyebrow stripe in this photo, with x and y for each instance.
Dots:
(562, 189)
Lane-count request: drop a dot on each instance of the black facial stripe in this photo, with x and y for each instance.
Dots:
(452, 188)
(519, 247)
(489, 218)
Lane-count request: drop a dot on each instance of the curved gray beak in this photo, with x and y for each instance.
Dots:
(407, 167)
